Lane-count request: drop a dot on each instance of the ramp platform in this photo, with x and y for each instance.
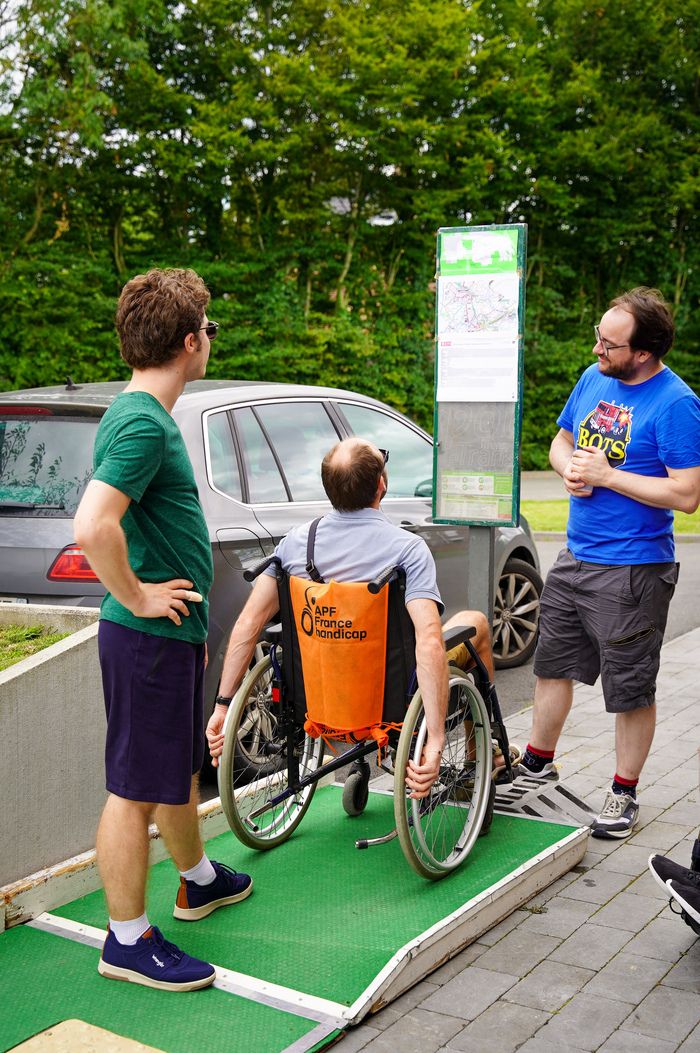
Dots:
(329, 935)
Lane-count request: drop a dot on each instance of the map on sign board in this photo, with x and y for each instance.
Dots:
(473, 306)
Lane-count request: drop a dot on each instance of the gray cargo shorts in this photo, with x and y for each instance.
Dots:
(605, 620)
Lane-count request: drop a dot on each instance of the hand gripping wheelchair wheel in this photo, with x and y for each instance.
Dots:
(254, 735)
(438, 832)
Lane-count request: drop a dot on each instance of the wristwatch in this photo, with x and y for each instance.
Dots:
(223, 700)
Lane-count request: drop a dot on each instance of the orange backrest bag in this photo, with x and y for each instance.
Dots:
(341, 628)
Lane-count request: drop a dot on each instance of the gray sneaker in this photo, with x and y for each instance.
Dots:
(549, 773)
(619, 816)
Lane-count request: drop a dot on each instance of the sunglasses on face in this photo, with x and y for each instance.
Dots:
(385, 456)
(211, 329)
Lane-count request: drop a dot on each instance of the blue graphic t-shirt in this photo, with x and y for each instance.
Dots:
(643, 428)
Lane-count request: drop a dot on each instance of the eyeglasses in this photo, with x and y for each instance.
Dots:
(211, 329)
(385, 456)
(604, 343)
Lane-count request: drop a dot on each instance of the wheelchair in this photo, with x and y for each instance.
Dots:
(271, 765)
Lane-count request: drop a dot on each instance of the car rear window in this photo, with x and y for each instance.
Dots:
(45, 463)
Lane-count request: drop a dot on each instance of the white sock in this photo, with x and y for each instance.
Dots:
(128, 932)
(202, 874)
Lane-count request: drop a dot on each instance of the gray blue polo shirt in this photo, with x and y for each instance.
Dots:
(357, 546)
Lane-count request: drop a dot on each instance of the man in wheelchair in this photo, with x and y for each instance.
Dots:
(354, 543)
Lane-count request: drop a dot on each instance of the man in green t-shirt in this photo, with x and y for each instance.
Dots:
(141, 526)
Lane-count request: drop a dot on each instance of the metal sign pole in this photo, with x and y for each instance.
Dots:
(480, 572)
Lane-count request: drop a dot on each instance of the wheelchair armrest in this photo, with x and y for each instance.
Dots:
(272, 633)
(457, 634)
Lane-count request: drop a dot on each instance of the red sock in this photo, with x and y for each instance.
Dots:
(621, 785)
(535, 759)
(547, 754)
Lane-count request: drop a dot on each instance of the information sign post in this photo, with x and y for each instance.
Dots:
(480, 313)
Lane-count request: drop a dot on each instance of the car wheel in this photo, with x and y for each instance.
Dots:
(516, 614)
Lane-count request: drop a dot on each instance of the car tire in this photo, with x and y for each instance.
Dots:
(516, 614)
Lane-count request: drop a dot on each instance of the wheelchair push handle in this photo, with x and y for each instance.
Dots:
(388, 574)
(254, 572)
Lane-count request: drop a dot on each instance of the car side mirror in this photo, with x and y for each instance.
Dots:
(424, 489)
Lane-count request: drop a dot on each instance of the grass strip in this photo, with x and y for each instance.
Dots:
(21, 641)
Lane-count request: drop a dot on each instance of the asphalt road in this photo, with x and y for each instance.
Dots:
(516, 686)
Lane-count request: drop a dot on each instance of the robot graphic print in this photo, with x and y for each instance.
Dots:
(608, 427)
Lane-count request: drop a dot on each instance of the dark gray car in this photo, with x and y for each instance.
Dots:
(256, 450)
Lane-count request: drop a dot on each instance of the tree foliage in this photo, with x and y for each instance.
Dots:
(301, 155)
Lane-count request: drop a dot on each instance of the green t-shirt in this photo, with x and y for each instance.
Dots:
(140, 451)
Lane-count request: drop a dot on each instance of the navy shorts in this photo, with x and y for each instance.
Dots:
(154, 698)
(608, 620)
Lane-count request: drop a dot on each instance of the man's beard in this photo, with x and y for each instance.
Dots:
(618, 372)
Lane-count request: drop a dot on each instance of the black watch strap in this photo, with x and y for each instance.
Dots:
(223, 700)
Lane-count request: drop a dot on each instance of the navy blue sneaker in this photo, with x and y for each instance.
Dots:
(154, 962)
(196, 901)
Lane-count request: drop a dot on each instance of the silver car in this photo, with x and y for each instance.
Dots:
(256, 450)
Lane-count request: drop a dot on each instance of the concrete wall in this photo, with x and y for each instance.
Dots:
(52, 730)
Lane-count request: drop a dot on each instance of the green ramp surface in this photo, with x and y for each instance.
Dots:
(325, 918)
(46, 979)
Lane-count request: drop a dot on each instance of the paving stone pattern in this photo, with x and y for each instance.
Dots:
(597, 962)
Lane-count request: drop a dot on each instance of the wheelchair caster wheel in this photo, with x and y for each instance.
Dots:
(356, 790)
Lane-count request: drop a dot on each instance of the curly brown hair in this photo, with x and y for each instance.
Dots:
(155, 313)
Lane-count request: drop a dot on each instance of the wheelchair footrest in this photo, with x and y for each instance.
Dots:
(370, 841)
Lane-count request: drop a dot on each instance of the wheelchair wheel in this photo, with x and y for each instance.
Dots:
(253, 730)
(438, 832)
(488, 817)
(356, 789)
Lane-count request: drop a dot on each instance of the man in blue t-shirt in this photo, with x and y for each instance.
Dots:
(628, 450)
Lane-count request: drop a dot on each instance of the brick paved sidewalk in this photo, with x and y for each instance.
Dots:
(597, 961)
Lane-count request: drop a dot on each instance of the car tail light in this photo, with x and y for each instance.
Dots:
(71, 565)
(26, 411)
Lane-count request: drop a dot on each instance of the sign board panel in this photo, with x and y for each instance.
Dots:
(479, 322)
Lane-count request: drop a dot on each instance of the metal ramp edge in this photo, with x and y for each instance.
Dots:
(551, 801)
